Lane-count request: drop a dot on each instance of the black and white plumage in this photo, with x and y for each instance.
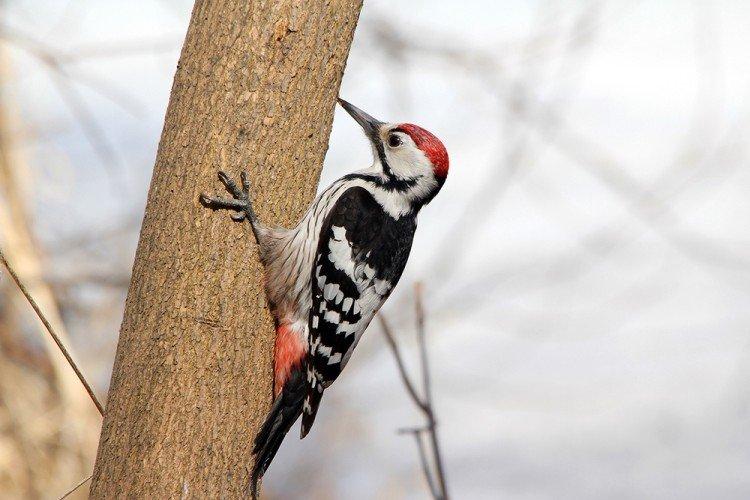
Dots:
(361, 254)
(327, 277)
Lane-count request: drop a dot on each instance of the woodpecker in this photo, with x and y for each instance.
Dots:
(327, 277)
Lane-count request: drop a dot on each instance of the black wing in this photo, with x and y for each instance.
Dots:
(361, 254)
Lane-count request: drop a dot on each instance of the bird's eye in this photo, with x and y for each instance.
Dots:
(394, 141)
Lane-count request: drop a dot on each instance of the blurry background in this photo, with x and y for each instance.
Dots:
(586, 267)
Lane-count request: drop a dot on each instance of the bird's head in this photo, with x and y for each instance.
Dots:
(406, 156)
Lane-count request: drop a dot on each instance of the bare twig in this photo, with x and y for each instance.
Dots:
(435, 480)
(52, 333)
(417, 433)
(70, 491)
(422, 343)
(400, 363)
(429, 413)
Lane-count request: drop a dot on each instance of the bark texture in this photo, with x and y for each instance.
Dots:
(255, 89)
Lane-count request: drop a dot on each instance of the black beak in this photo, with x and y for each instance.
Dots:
(370, 125)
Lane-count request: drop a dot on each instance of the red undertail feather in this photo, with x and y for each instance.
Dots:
(288, 354)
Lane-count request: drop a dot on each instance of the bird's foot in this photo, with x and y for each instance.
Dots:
(241, 203)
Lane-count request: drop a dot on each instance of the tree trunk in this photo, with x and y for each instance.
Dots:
(255, 89)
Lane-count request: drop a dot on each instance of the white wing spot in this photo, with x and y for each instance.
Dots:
(336, 358)
(340, 252)
(347, 328)
(339, 233)
(332, 317)
(347, 304)
(330, 290)
(321, 278)
(315, 321)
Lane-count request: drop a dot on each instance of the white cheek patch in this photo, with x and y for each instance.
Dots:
(409, 161)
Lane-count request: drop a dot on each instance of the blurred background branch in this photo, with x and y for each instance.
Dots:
(55, 337)
(435, 478)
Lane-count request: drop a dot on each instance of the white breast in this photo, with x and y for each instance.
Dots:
(290, 256)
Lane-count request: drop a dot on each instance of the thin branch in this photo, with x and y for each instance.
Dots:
(400, 363)
(70, 492)
(435, 480)
(426, 384)
(417, 433)
(52, 333)
(429, 413)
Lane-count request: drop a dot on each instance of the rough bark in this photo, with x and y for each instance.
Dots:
(255, 89)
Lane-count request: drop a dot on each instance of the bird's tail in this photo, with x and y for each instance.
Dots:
(310, 409)
(284, 412)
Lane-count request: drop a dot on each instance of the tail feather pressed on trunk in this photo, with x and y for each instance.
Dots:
(284, 412)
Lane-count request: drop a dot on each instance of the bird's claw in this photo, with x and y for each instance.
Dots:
(240, 201)
(238, 193)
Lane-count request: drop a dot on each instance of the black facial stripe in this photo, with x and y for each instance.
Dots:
(391, 184)
(381, 154)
